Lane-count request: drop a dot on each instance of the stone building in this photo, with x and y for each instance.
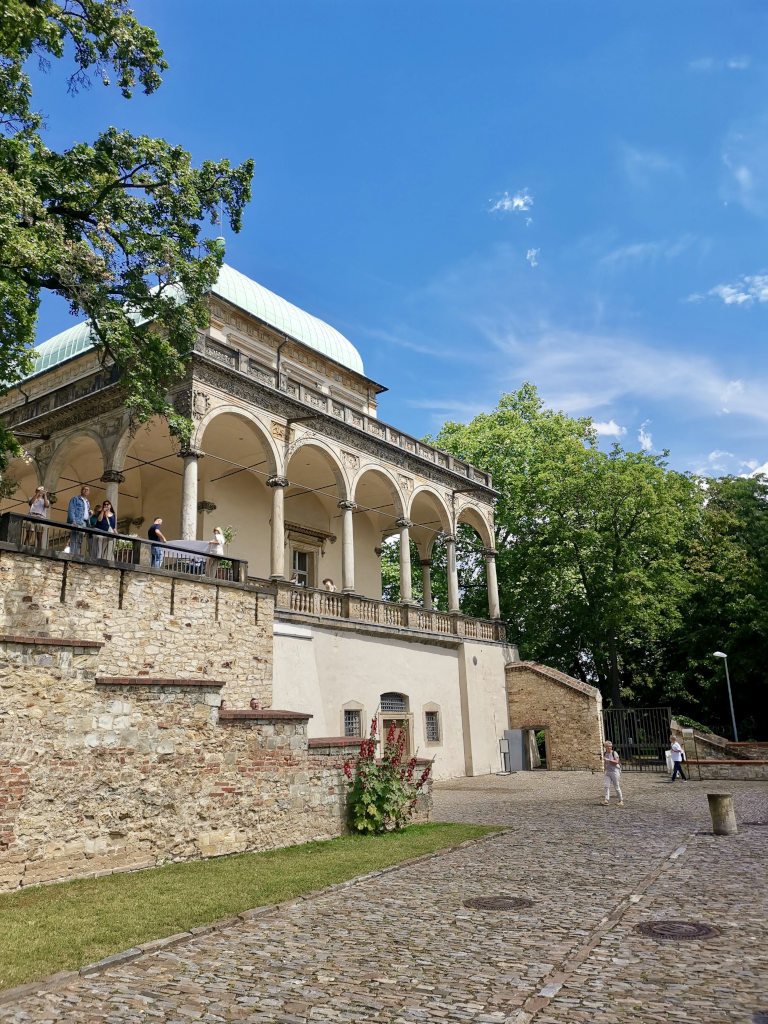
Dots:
(288, 449)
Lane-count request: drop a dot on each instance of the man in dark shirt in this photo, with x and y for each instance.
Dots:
(155, 533)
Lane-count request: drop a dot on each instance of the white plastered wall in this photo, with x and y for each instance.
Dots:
(320, 670)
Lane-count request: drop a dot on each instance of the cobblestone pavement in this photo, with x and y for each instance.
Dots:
(401, 947)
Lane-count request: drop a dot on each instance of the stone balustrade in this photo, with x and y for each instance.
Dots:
(324, 604)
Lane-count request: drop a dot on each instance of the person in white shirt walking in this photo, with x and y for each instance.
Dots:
(677, 759)
(612, 769)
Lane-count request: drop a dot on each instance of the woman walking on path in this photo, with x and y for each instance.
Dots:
(612, 769)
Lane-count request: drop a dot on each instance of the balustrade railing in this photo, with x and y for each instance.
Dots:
(296, 598)
(87, 544)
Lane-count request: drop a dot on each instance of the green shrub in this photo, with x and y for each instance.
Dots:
(383, 793)
(691, 723)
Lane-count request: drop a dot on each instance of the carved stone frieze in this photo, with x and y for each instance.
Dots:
(279, 431)
(201, 403)
(350, 460)
(406, 482)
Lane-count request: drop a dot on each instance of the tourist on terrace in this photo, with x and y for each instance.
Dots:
(329, 585)
(155, 533)
(216, 550)
(78, 514)
(38, 507)
(106, 521)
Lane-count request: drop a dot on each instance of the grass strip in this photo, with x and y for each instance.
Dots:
(59, 927)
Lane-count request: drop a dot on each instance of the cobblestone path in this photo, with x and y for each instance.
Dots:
(401, 947)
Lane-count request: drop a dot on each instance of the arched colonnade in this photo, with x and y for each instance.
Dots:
(290, 491)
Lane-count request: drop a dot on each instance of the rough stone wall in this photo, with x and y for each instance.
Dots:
(747, 771)
(98, 777)
(570, 711)
(150, 624)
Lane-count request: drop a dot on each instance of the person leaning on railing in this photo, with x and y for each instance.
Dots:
(78, 514)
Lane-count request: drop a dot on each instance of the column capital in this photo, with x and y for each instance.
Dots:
(403, 523)
(206, 506)
(112, 476)
(347, 506)
(425, 563)
(490, 552)
(277, 481)
(449, 538)
(188, 452)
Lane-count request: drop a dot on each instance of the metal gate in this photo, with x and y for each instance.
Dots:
(640, 735)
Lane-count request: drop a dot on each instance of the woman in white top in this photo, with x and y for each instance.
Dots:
(215, 549)
(38, 507)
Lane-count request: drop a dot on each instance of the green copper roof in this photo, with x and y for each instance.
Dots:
(254, 298)
(241, 291)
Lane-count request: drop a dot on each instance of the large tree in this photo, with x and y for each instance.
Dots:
(115, 226)
(592, 550)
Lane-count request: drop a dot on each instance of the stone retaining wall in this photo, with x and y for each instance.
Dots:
(118, 775)
(149, 624)
(747, 771)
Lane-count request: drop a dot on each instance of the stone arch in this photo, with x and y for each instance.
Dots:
(331, 457)
(266, 439)
(63, 452)
(431, 517)
(390, 484)
(472, 516)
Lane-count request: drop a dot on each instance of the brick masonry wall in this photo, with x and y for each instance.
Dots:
(97, 778)
(570, 711)
(150, 624)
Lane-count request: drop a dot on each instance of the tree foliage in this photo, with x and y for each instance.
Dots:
(115, 226)
(591, 544)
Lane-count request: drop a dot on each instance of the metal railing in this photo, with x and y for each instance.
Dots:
(87, 544)
(321, 603)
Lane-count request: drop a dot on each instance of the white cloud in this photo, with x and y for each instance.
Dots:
(715, 64)
(639, 252)
(642, 165)
(528, 221)
(718, 460)
(748, 289)
(759, 470)
(745, 157)
(644, 438)
(609, 429)
(519, 202)
(532, 257)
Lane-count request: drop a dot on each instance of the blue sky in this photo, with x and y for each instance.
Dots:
(484, 192)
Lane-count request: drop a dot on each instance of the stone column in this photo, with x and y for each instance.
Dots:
(347, 547)
(494, 611)
(278, 485)
(426, 579)
(189, 493)
(453, 577)
(112, 478)
(406, 589)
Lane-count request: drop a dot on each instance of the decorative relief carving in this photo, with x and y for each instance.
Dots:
(406, 483)
(201, 403)
(337, 410)
(222, 354)
(112, 476)
(278, 430)
(350, 460)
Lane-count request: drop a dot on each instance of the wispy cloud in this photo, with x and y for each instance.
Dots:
(719, 460)
(745, 158)
(643, 165)
(533, 257)
(641, 252)
(748, 289)
(518, 203)
(609, 429)
(644, 438)
(718, 64)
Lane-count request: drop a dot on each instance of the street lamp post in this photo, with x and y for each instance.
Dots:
(724, 656)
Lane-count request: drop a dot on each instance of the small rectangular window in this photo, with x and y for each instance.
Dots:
(432, 726)
(301, 566)
(352, 723)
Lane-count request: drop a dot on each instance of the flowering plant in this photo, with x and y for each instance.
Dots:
(383, 793)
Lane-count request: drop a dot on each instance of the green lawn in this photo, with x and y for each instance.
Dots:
(65, 926)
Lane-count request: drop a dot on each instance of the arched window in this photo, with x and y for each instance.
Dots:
(396, 702)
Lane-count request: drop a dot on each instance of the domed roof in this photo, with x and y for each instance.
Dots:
(240, 291)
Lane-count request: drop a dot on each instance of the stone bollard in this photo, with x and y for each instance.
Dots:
(723, 818)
